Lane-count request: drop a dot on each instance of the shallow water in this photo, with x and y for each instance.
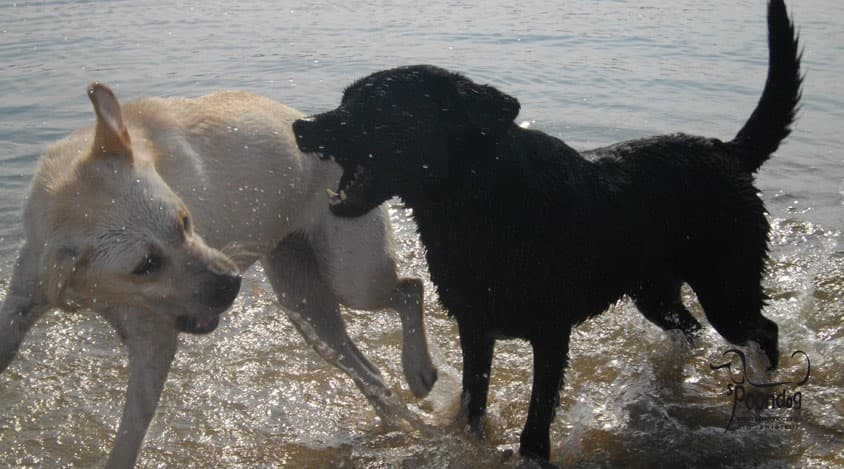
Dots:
(591, 72)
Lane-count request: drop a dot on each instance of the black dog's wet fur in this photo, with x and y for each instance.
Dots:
(525, 237)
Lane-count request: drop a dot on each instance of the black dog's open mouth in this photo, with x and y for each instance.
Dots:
(197, 325)
(356, 192)
(354, 195)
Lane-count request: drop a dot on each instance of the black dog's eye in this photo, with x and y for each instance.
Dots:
(149, 265)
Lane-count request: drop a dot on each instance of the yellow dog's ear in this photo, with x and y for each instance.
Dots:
(58, 265)
(111, 138)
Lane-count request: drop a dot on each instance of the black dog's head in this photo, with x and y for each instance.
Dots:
(400, 131)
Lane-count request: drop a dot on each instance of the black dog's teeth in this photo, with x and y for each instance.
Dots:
(359, 176)
(335, 198)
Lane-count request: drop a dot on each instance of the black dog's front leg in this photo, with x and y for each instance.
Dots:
(477, 360)
(549, 360)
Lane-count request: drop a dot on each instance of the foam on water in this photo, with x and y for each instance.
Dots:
(257, 394)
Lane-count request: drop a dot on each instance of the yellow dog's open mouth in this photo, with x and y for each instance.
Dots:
(196, 324)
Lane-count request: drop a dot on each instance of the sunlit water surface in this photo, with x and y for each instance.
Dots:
(591, 72)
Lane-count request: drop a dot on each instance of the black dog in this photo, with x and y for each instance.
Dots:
(525, 237)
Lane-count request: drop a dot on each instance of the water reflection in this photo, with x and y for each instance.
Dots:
(253, 394)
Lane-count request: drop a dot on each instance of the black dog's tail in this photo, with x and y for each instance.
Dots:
(771, 120)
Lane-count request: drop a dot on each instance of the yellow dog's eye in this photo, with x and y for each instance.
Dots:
(149, 265)
(186, 224)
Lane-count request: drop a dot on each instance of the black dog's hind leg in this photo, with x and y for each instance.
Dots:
(550, 355)
(731, 294)
(477, 349)
(660, 303)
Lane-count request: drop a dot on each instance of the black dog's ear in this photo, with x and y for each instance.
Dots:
(486, 108)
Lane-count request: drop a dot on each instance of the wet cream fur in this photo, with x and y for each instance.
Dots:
(212, 185)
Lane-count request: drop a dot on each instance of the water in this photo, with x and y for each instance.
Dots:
(591, 72)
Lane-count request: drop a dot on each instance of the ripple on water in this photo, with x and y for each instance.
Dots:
(254, 394)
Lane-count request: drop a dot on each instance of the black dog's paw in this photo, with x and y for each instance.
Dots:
(692, 329)
(692, 332)
(535, 463)
(477, 429)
